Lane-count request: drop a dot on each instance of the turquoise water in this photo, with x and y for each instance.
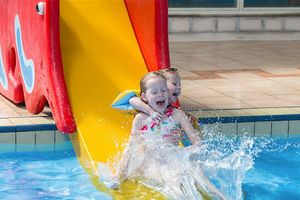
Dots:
(58, 175)
(45, 175)
(276, 173)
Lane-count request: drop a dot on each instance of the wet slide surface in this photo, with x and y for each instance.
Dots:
(101, 58)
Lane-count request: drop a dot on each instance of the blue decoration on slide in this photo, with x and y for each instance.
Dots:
(27, 65)
(3, 78)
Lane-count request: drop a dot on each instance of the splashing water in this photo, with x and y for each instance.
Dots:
(179, 172)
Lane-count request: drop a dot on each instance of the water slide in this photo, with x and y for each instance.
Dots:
(101, 58)
(78, 55)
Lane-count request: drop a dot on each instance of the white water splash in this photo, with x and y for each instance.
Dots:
(177, 172)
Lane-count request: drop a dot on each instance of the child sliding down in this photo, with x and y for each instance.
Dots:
(153, 154)
(174, 87)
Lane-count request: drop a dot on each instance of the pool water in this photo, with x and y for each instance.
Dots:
(276, 173)
(59, 175)
(45, 175)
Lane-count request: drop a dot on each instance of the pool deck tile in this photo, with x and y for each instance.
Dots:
(219, 80)
(20, 121)
(39, 120)
(5, 122)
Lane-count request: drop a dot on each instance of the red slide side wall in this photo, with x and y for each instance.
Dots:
(149, 19)
(31, 68)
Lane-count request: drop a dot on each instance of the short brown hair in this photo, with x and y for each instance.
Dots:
(169, 71)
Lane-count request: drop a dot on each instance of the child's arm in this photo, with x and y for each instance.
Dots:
(139, 105)
(135, 137)
(187, 126)
(137, 124)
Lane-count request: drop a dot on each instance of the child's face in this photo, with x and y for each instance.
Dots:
(174, 86)
(156, 95)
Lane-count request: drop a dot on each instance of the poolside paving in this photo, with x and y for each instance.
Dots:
(238, 74)
(236, 78)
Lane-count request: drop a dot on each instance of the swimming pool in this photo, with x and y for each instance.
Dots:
(59, 175)
(45, 175)
(276, 173)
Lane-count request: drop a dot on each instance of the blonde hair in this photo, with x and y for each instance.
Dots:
(169, 72)
(146, 78)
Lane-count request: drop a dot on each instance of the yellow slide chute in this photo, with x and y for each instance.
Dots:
(101, 58)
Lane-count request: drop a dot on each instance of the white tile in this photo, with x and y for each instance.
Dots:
(229, 129)
(292, 23)
(210, 129)
(25, 137)
(246, 128)
(250, 24)
(7, 142)
(280, 128)
(262, 129)
(60, 137)
(25, 141)
(294, 128)
(226, 24)
(8, 138)
(273, 24)
(39, 120)
(5, 122)
(45, 137)
(20, 121)
(203, 24)
(179, 25)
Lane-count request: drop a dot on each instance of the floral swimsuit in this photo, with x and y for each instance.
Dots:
(168, 128)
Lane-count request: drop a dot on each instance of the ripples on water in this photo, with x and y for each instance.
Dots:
(45, 175)
(168, 169)
(276, 173)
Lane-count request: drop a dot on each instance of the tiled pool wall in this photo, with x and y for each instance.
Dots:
(34, 133)
(46, 138)
(274, 122)
(286, 128)
(22, 140)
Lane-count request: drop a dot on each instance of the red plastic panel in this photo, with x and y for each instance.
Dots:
(30, 59)
(149, 19)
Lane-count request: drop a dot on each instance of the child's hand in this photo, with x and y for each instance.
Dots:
(156, 116)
